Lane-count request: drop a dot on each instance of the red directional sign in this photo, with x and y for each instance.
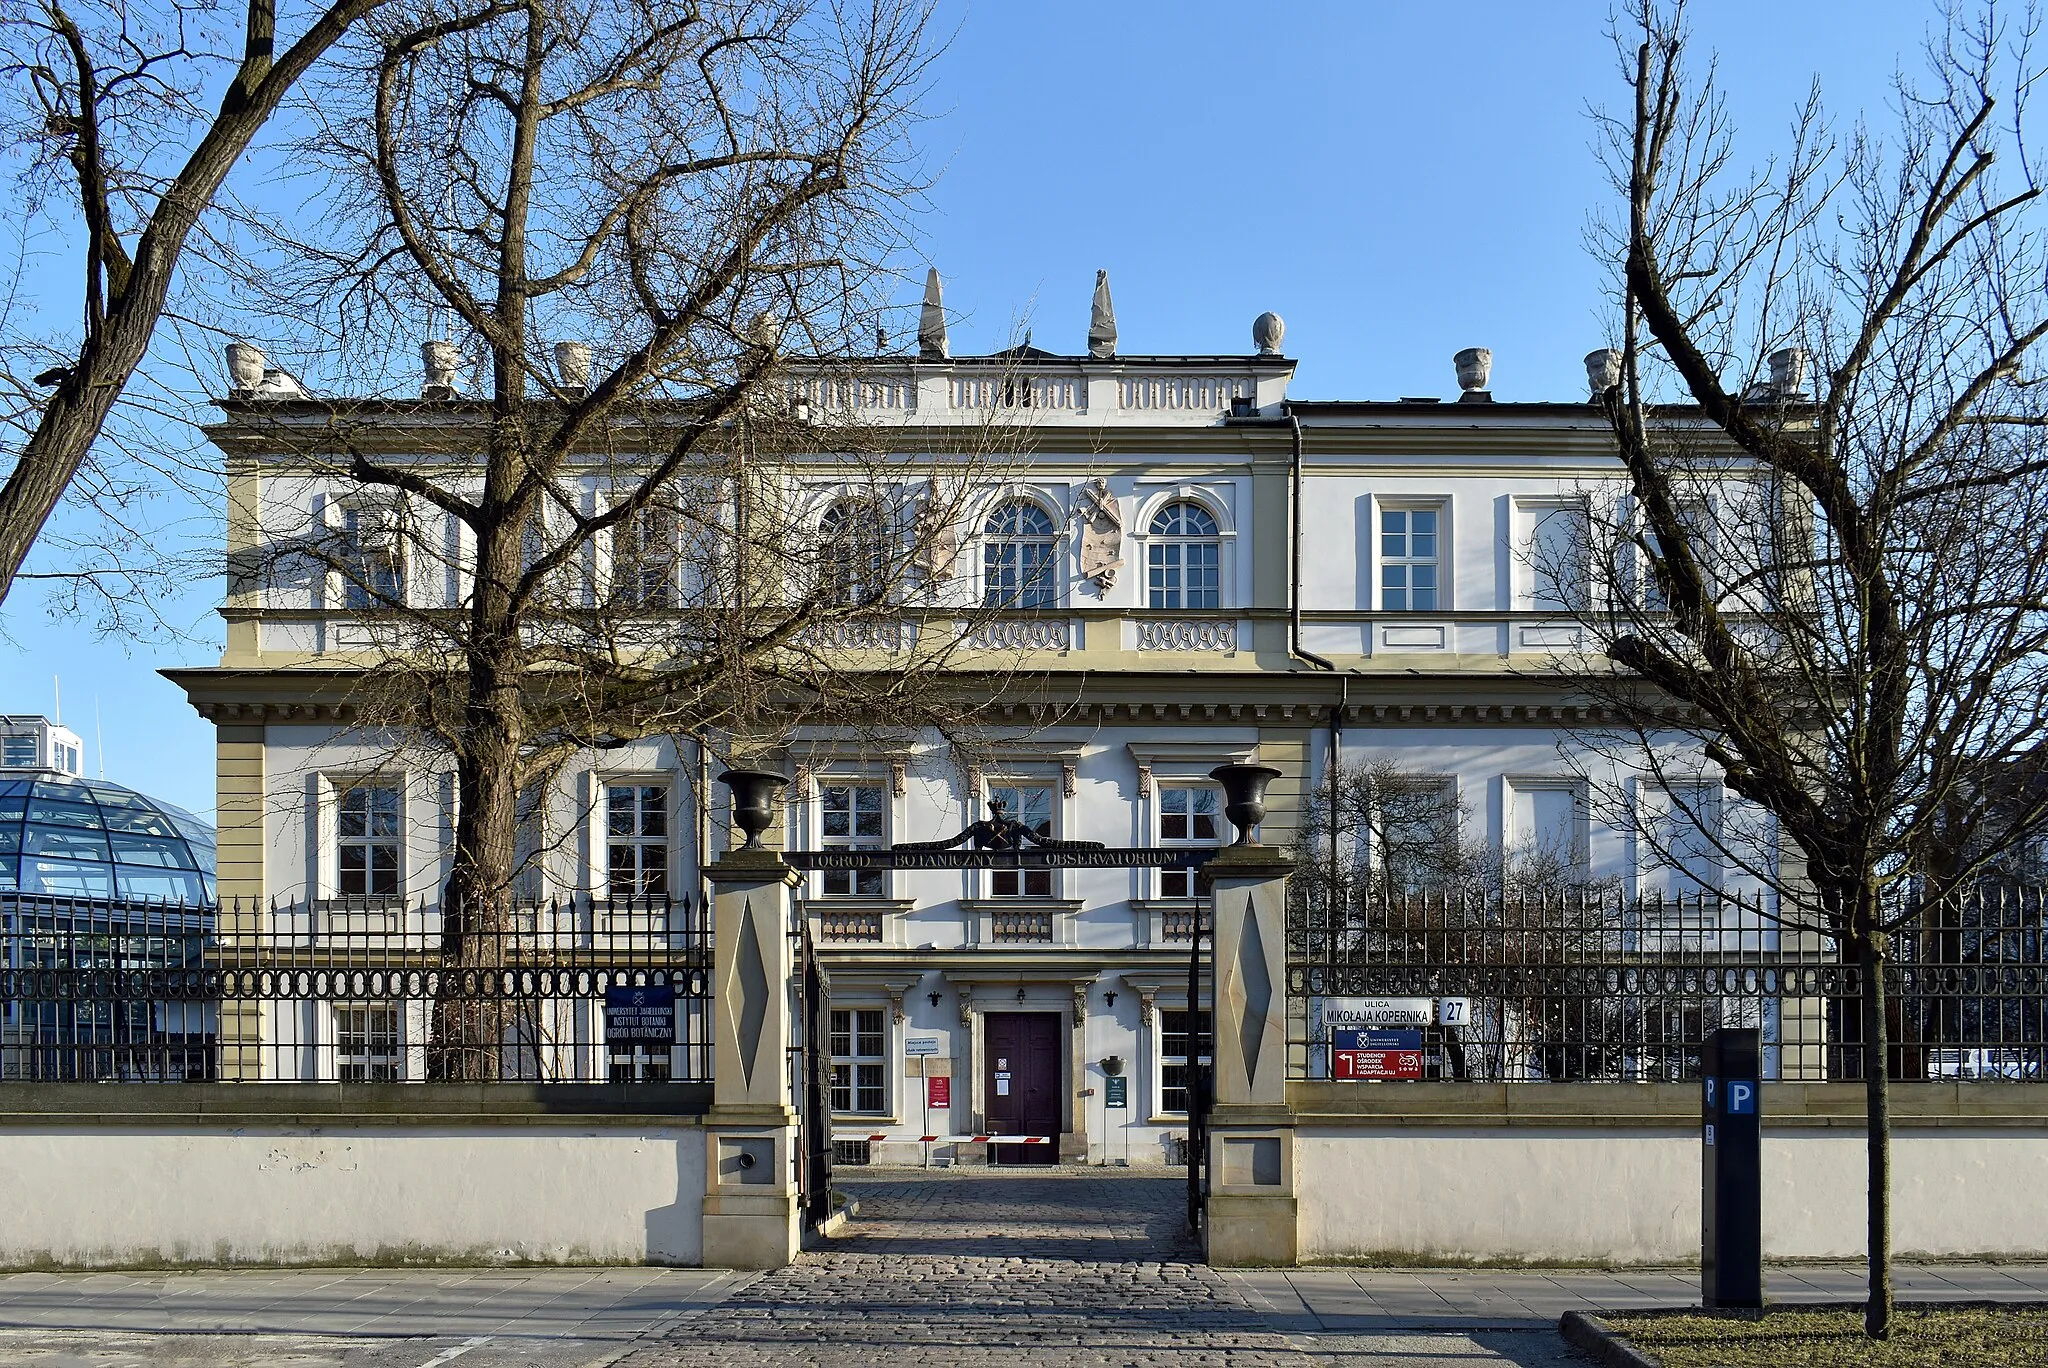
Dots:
(1363, 1055)
(938, 1092)
(1355, 1065)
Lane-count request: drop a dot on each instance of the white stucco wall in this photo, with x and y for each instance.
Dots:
(142, 1195)
(1633, 1195)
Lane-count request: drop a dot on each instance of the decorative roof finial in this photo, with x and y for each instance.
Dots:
(1102, 320)
(931, 321)
(1267, 331)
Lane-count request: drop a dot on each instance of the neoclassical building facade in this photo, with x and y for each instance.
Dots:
(1194, 567)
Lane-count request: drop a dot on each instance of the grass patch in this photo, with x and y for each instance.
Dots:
(1958, 1337)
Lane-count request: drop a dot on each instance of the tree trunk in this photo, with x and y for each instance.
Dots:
(1870, 954)
(468, 1041)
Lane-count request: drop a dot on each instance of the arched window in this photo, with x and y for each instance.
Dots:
(1017, 561)
(1184, 558)
(851, 564)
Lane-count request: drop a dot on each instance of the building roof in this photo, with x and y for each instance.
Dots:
(93, 839)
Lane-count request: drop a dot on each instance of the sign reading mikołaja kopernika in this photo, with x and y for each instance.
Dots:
(1361, 1012)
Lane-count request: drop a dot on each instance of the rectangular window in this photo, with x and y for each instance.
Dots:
(636, 840)
(368, 1043)
(1030, 804)
(646, 559)
(1183, 1040)
(370, 561)
(366, 830)
(1689, 837)
(18, 752)
(1413, 831)
(852, 819)
(1408, 559)
(1184, 574)
(860, 1065)
(641, 1064)
(1556, 549)
(1188, 816)
(1549, 832)
(1699, 536)
(529, 846)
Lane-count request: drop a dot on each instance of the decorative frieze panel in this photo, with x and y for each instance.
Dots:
(1187, 634)
(1021, 634)
(854, 634)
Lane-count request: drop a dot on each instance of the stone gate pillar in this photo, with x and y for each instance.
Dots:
(1251, 1209)
(750, 1198)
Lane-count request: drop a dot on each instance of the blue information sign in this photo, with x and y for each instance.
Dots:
(640, 1016)
(1118, 1093)
(1371, 1038)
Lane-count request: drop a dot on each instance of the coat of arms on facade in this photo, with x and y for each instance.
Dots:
(1102, 534)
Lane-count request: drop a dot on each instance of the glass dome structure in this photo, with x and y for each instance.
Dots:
(77, 838)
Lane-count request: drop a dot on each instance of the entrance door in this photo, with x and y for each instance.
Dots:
(1022, 1083)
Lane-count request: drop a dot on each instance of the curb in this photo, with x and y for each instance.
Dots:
(831, 1225)
(1599, 1339)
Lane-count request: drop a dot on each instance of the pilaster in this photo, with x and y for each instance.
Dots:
(1252, 1187)
(750, 1198)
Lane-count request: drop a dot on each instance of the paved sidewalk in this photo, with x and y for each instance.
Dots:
(1341, 1299)
(961, 1267)
(347, 1318)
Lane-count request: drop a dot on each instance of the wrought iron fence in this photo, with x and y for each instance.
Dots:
(1593, 988)
(578, 990)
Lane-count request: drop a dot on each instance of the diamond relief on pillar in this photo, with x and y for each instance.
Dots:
(1254, 990)
(750, 976)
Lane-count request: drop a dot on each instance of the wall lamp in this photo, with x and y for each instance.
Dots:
(1109, 998)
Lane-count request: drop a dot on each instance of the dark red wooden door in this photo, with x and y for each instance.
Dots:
(1022, 1050)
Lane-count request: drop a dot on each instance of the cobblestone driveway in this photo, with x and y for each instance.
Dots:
(1087, 1267)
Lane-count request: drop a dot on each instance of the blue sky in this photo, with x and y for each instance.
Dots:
(1397, 182)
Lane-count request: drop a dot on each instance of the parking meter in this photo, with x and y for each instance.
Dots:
(1731, 1207)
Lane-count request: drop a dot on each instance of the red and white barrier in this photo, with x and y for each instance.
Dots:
(952, 1139)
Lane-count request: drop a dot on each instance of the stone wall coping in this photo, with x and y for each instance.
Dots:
(353, 1104)
(1660, 1106)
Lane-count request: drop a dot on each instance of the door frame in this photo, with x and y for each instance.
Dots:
(1052, 1024)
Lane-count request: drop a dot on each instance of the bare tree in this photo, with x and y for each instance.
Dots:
(108, 112)
(687, 525)
(1835, 595)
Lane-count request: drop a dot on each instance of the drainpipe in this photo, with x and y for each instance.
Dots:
(1300, 652)
(1294, 646)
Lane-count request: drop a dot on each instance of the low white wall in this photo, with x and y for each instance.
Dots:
(1632, 1195)
(147, 1195)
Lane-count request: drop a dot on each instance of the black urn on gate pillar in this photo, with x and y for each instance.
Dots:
(1244, 796)
(753, 801)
